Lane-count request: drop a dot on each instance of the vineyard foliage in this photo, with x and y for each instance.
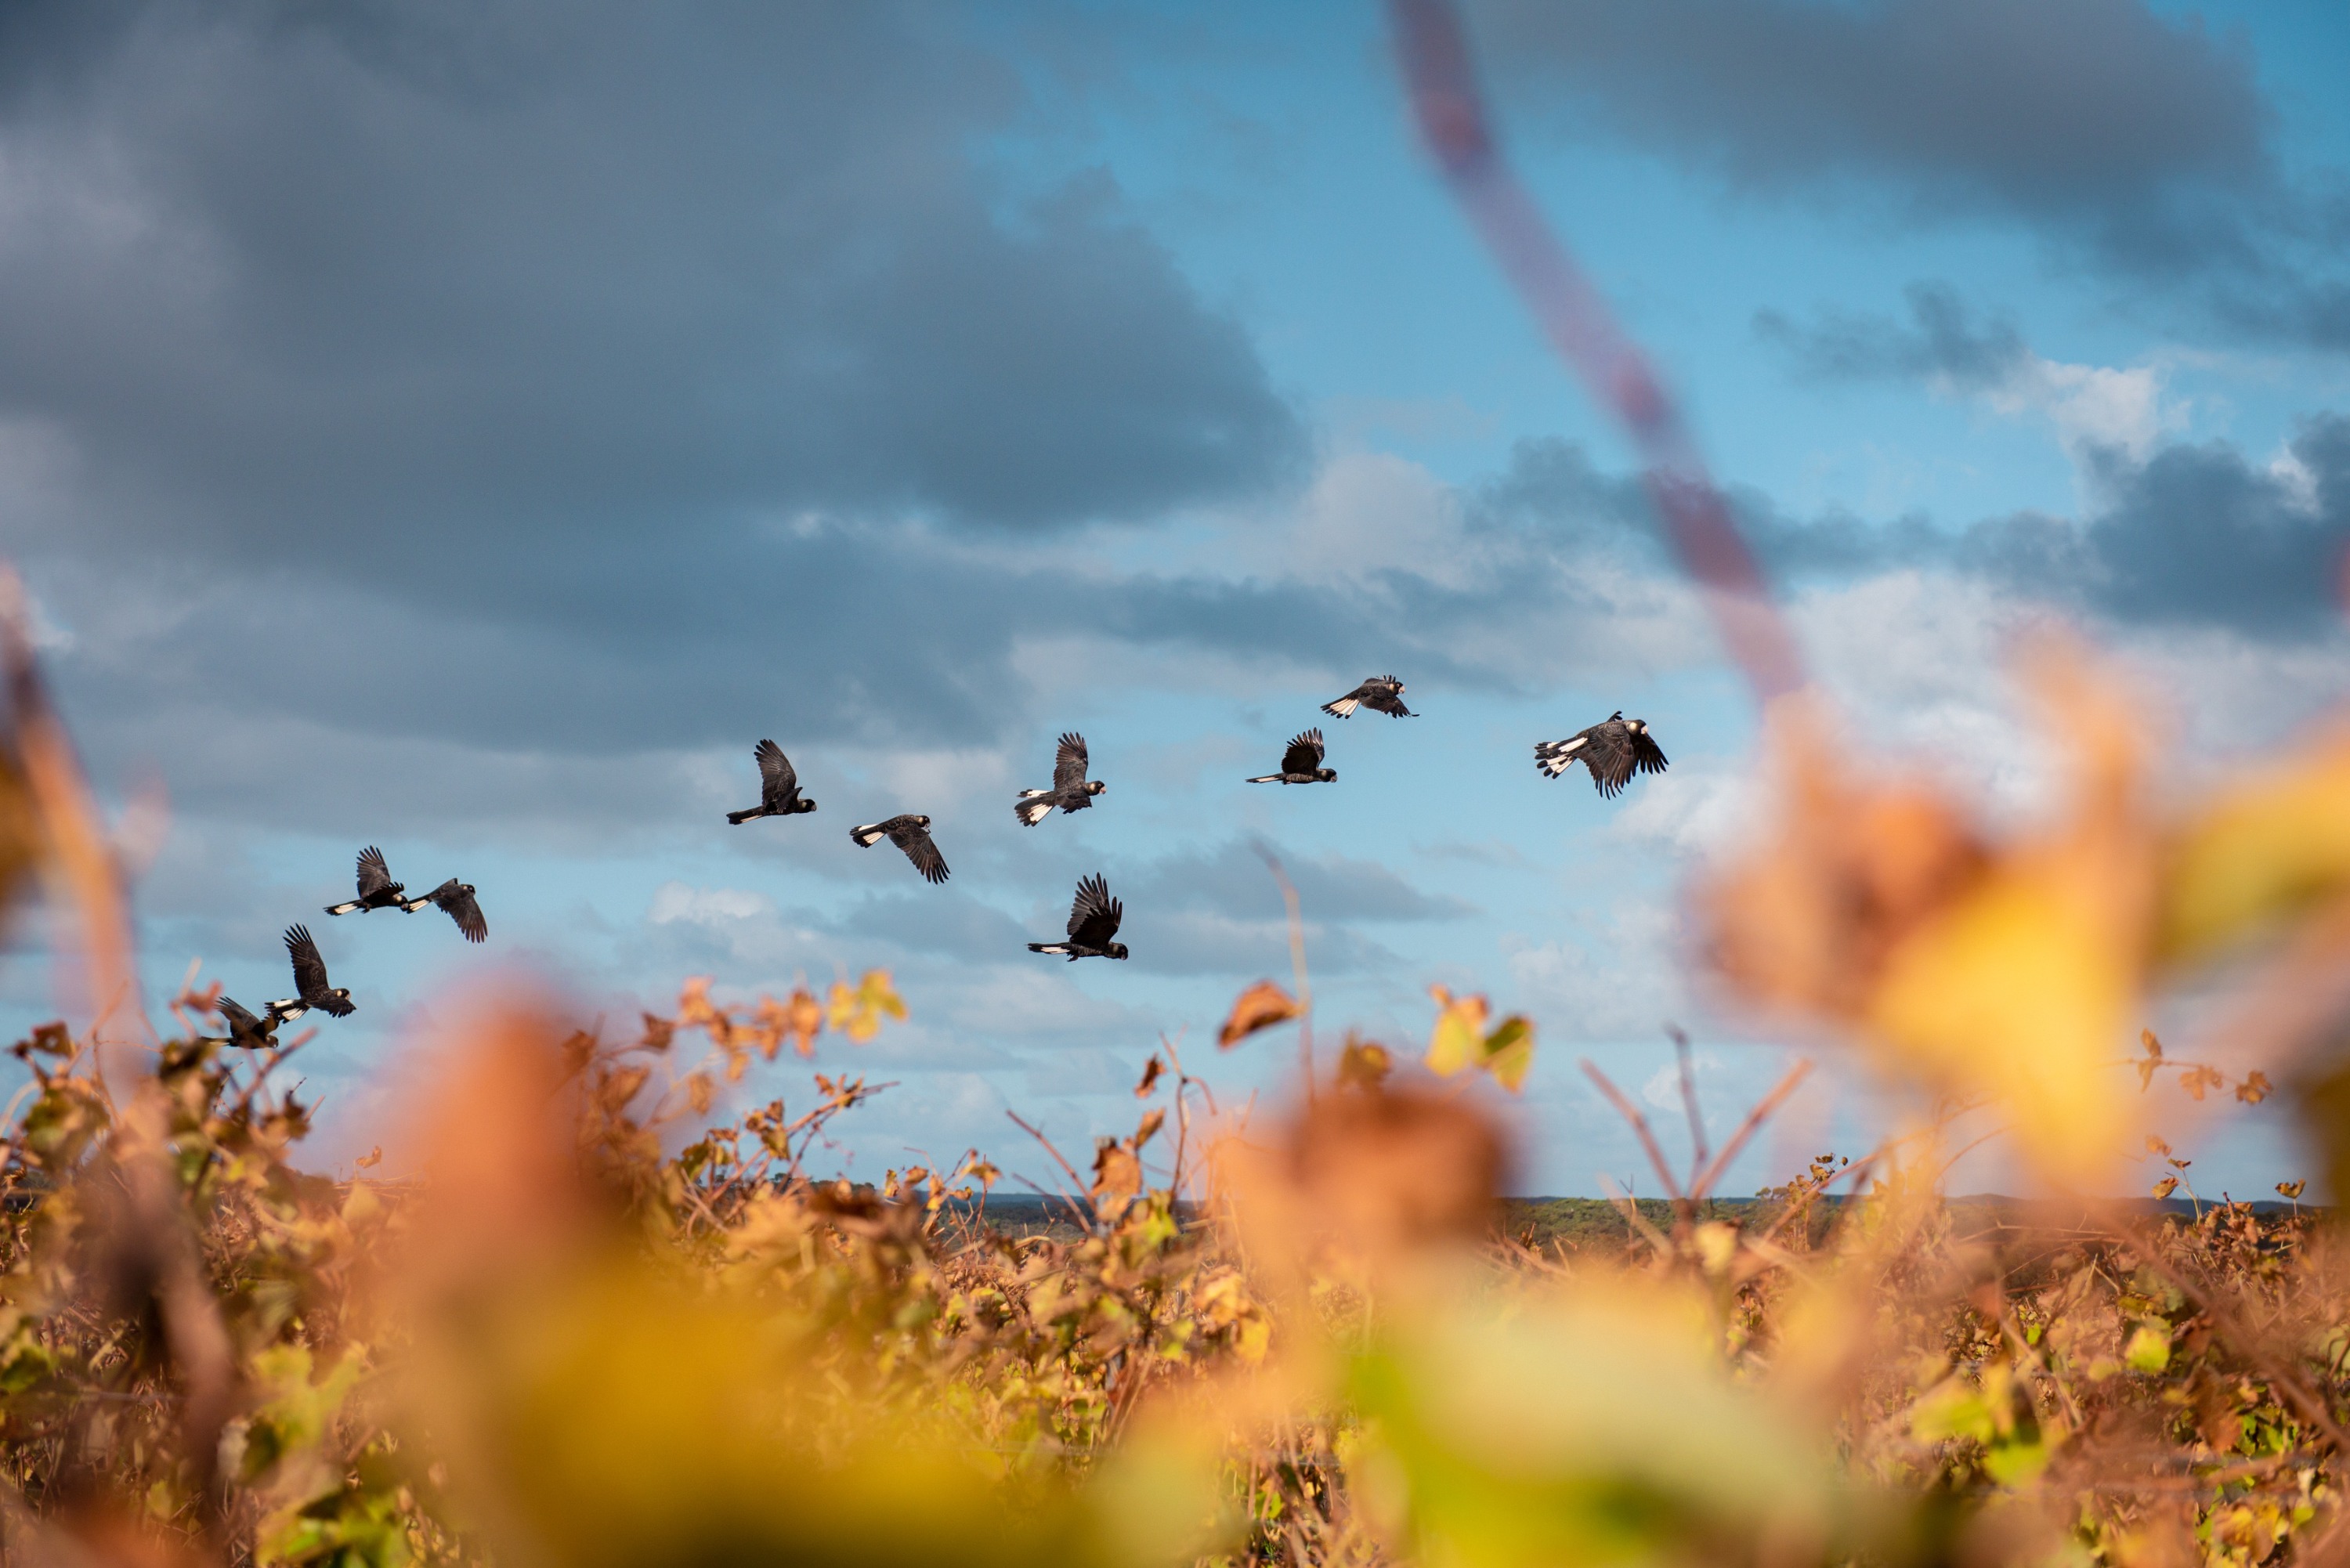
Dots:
(602, 1322)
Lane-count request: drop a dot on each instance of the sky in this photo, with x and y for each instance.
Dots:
(468, 428)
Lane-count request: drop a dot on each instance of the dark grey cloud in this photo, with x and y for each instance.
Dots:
(2041, 108)
(2138, 138)
(1941, 341)
(422, 289)
(2197, 535)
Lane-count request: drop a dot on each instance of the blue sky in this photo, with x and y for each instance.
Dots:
(469, 429)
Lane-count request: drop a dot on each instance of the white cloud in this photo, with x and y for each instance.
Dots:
(2092, 406)
(676, 903)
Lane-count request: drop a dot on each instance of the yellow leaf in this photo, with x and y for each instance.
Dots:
(858, 1012)
(2254, 1088)
(1261, 1007)
(2020, 989)
(1509, 1053)
(2269, 849)
(2165, 1186)
(2148, 1350)
(1457, 1041)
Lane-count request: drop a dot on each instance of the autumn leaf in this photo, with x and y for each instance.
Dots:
(1117, 1173)
(858, 1012)
(2291, 1190)
(1509, 1053)
(620, 1087)
(1150, 1073)
(1364, 1064)
(701, 1092)
(2165, 1186)
(2255, 1088)
(1261, 1007)
(2197, 1079)
(1148, 1128)
(370, 1159)
(803, 1020)
(2276, 846)
(1459, 1041)
(2155, 1146)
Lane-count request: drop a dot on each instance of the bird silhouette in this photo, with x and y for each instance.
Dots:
(779, 786)
(1380, 694)
(1071, 791)
(1301, 763)
(377, 890)
(245, 1031)
(1611, 751)
(457, 898)
(910, 834)
(310, 987)
(1094, 919)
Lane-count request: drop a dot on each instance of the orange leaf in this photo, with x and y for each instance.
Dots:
(1150, 1072)
(2254, 1088)
(1261, 1007)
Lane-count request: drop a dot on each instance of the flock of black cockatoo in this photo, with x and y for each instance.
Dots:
(377, 891)
(1611, 751)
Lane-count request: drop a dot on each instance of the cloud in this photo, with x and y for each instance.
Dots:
(382, 286)
(2138, 140)
(2038, 109)
(2092, 409)
(2192, 536)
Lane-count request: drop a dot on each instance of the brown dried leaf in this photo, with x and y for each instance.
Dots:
(370, 1159)
(2165, 1186)
(1150, 1073)
(1116, 1172)
(1148, 1128)
(1261, 1007)
(1364, 1064)
(2255, 1088)
(618, 1087)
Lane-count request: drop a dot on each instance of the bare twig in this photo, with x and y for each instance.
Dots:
(1689, 1099)
(1747, 1128)
(1631, 1112)
(1297, 968)
(1075, 1179)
